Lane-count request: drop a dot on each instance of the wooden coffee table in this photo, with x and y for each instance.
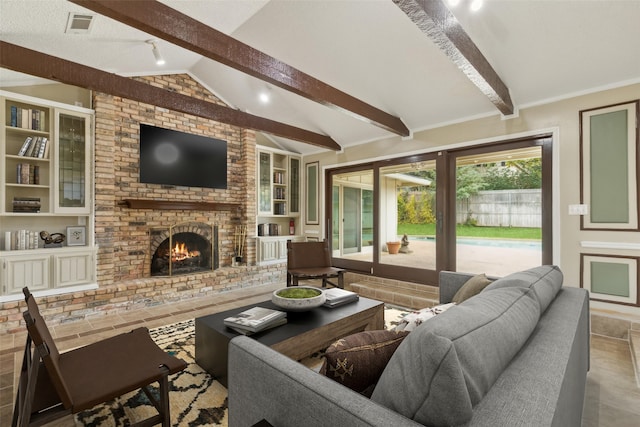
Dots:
(304, 333)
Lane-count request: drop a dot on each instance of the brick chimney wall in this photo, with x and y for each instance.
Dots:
(121, 233)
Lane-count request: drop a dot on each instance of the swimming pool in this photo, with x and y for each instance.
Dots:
(495, 243)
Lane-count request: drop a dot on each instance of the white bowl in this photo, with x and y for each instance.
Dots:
(298, 304)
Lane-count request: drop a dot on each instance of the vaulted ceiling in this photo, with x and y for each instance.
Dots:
(341, 72)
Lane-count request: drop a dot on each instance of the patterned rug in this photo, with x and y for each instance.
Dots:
(196, 398)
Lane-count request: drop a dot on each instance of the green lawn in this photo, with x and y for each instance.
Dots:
(473, 231)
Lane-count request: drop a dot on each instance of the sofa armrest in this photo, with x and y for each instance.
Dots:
(264, 384)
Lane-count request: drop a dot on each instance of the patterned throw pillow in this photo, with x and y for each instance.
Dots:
(357, 361)
(416, 318)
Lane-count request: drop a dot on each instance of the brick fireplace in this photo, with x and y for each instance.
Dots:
(184, 249)
(123, 232)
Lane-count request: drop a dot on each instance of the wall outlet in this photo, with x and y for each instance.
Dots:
(578, 210)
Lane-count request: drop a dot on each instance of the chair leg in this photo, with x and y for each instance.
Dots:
(164, 401)
(341, 280)
(22, 384)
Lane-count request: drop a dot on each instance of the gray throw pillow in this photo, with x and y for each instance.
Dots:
(446, 366)
(470, 288)
(545, 281)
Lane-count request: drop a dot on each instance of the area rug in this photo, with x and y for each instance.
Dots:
(196, 398)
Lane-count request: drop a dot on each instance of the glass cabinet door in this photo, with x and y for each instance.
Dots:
(294, 185)
(264, 183)
(72, 163)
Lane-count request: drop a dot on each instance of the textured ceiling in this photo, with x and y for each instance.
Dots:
(542, 50)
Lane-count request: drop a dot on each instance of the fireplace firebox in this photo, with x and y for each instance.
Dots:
(184, 249)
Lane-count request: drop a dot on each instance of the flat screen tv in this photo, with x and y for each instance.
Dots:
(176, 158)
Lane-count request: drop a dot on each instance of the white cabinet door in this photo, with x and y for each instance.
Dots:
(20, 271)
(73, 268)
(282, 249)
(268, 250)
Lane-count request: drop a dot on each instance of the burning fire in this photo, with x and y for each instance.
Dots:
(181, 252)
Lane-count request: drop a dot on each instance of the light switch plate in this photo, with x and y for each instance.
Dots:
(578, 210)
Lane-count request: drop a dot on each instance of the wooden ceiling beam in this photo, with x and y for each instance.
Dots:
(435, 19)
(39, 64)
(157, 19)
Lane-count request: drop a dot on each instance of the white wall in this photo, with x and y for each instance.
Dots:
(560, 118)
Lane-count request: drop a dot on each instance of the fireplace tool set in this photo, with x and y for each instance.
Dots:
(239, 237)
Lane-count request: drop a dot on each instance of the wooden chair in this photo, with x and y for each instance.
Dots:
(54, 384)
(311, 260)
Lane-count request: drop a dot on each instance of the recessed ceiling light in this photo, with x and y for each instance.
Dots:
(264, 97)
(475, 5)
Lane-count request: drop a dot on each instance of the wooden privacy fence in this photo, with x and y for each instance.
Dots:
(502, 208)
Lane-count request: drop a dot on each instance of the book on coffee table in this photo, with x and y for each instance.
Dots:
(256, 319)
(249, 333)
(337, 297)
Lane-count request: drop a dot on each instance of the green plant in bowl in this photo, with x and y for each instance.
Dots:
(298, 298)
(298, 293)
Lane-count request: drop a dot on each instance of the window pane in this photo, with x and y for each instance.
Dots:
(408, 215)
(499, 211)
(352, 222)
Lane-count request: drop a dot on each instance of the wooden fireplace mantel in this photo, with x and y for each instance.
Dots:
(179, 205)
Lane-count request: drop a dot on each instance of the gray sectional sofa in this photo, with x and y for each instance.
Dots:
(515, 354)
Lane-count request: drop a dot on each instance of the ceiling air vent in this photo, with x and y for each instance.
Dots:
(79, 23)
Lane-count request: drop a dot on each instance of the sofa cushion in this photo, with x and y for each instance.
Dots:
(358, 360)
(445, 367)
(545, 281)
(471, 287)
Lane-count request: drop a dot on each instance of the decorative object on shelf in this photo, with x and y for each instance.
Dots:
(53, 240)
(77, 236)
(239, 237)
(298, 298)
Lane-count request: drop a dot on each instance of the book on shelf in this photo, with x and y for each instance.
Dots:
(14, 116)
(337, 297)
(20, 240)
(44, 149)
(27, 118)
(25, 146)
(255, 319)
(270, 326)
(27, 174)
(26, 204)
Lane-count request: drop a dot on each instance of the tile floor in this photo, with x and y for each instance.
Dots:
(612, 397)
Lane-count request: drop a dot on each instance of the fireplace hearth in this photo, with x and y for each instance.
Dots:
(184, 249)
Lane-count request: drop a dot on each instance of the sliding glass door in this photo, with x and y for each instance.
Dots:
(407, 217)
(499, 210)
(352, 216)
(483, 209)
